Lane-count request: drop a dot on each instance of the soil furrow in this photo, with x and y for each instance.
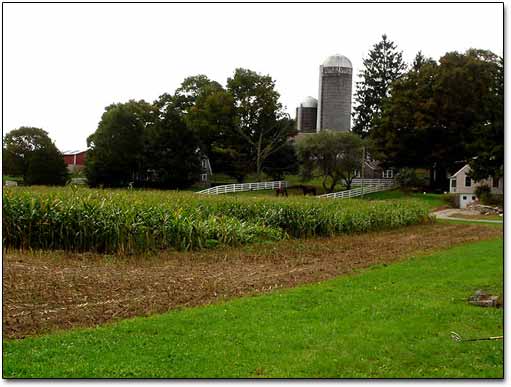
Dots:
(45, 291)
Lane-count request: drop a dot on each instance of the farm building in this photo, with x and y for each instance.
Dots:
(373, 170)
(75, 160)
(206, 170)
(306, 115)
(464, 186)
(332, 109)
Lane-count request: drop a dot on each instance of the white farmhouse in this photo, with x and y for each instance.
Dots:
(464, 187)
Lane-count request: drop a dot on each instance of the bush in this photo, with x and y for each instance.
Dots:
(483, 192)
(407, 179)
(493, 200)
(451, 200)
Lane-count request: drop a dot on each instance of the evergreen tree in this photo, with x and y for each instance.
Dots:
(383, 65)
(420, 60)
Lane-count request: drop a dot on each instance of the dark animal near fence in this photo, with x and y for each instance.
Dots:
(307, 189)
(281, 191)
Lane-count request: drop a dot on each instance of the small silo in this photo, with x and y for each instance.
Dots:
(306, 115)
(334, 105)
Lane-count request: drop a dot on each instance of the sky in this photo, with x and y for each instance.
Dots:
(64, 63)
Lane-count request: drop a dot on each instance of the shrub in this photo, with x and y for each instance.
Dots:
(450, 199)
(482, 191)
(407, 179)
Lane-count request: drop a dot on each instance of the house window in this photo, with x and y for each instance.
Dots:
(388, 174)
(464, 198)
(495, 182)
(453, 183)
(357, 173)
(473, 198)
(204, 177)
(468, 181)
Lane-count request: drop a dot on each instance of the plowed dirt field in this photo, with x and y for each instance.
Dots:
(46, 291)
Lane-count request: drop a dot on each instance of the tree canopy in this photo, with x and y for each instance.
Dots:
(145, 144)
(29, 152)
(336, 156)
(441, 115)
(171, 150)
(115, 155)
(383, 65)
(261, 123)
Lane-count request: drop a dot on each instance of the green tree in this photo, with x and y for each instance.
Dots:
(335, 155)
(115, 157)
(209, 111)
(29, 152)
(282, 162)
(488, 143)
(420, 60)
(437, 114)
(383, 65)
(171, 149)
(191, 89)
(260, 120)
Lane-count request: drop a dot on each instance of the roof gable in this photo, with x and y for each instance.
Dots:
(463, 168)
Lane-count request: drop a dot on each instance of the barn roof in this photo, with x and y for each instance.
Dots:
(73, 152)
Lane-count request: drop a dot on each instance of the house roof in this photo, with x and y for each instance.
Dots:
(73, 152)
(462, 168)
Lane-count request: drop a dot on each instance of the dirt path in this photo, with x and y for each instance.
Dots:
(55, 290)
(450, 214)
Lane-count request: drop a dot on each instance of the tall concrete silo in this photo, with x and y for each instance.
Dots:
(306, 115)
(334, 105)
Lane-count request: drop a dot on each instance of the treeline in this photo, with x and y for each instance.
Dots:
(435, 115)
(241, 129)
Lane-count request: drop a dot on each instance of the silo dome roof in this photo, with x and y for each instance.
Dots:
(309, 102)
(337, 60)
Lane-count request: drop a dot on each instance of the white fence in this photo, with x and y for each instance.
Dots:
(365, 182)
(365, 189)
(222, 189)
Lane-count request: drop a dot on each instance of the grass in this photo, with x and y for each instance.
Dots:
(431, 200)
(387, 321)
(477, 217)
(18, 179)
(470, 221)
(292, 180)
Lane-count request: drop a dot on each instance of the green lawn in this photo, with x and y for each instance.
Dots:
(432, 200)
(387, 321)
(18, 179)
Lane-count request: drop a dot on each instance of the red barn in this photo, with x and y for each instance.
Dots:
(75, 160)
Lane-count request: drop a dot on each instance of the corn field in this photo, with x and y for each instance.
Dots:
(125, 222)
